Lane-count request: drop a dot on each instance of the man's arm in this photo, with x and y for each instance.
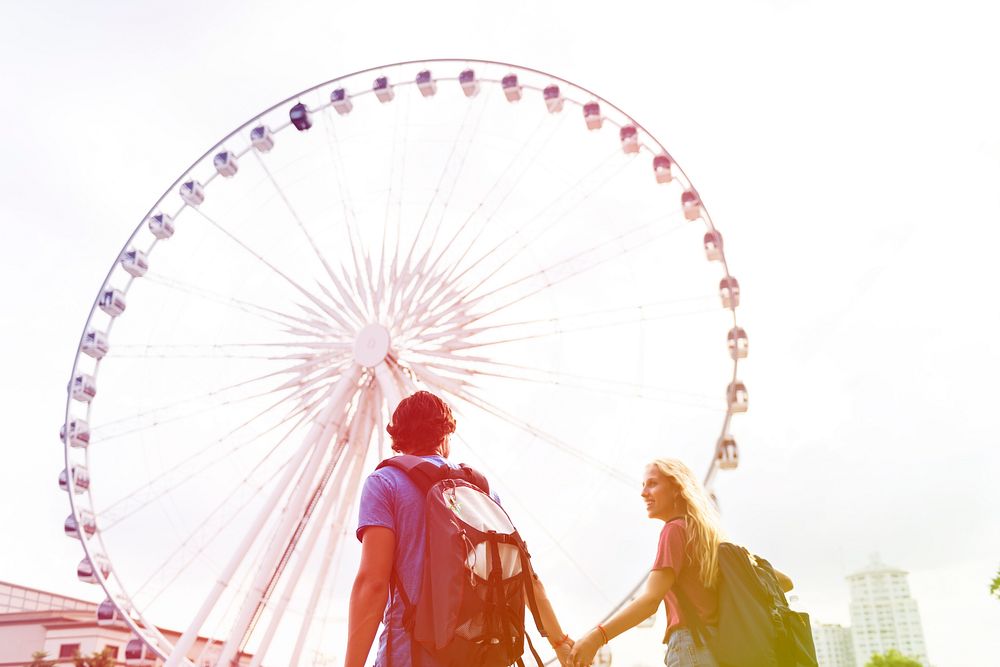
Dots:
(550, 623)
(370, 593)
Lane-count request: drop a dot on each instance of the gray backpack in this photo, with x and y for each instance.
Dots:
(476, 575)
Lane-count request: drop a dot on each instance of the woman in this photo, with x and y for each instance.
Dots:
(686, 559)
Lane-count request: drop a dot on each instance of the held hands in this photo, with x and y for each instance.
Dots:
(563, 650)
(585, 649)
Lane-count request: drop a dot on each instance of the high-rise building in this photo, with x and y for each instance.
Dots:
(834, 647)
(883, 615)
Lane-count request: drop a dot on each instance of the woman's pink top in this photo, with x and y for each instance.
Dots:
(671, 554)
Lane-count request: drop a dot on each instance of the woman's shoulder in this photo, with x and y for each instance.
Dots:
(674, 526)
(674, 534)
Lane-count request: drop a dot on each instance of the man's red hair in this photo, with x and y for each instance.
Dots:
(420, 424)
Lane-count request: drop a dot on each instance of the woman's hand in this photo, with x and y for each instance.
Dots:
(586, 648)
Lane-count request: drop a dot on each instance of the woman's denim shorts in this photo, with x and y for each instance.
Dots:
(683, 652)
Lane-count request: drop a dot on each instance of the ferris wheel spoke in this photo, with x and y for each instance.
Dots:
(643, 311)
(526, 509)
(424, 270)
(524, 146)
(294, 518)
(377, 290)
(228, 610)
(350, 299)
(319, 326)
(581, 187)
(461, 299)
(325, 307)
(433, 369)
(548, 438)
(157, 415)
(559, 375)
(213, 531)
(461, 390)
(566, 275)
(447, 279)
(454, 386)
(576, 186)
(298, 221)
(343, 187)
(347, 475)
(121, 509)
(247, 479)
(461, 337)
(322, 430)
(464, 303)
(599, 247)
(639, 392)
(257, 310)
(215, 351)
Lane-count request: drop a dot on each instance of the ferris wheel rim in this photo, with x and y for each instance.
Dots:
(140, 626)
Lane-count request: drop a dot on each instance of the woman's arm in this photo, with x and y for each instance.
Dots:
(642, 607)
(783, 581)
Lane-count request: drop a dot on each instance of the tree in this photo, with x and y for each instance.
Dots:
(892, 658)
(96, 659)
(995, 586)
(38, 659)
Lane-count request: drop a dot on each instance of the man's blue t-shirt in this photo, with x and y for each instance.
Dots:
(392, 500)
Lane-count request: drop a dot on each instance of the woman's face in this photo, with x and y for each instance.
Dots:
(660, 495)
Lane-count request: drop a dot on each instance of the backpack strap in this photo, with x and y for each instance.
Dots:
(475, 478)
(395, 587)
(529, 575)
(534, 653)
(423, 473)
(426, 474)
(694, 622)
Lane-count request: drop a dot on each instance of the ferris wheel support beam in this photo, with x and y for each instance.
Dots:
(389, 384)
(292, 513)
(338, 399)
(359, 448)
(358, 437)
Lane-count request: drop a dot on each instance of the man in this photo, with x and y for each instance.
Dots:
(392, 533)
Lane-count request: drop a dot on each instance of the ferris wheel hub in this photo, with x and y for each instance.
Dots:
(372, 345)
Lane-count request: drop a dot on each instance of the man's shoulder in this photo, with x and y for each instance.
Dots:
(434, 459)
(393, 479)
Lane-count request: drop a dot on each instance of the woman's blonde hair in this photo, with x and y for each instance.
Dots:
(702, 520)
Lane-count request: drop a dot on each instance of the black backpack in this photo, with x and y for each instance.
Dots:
(756, 627)
(476, 573)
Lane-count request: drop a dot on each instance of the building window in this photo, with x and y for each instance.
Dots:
(111, 650)
(68, 650)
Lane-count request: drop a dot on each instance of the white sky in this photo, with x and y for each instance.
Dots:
(848, 151)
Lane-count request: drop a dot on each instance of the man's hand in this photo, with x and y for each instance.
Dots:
(585, 649)
(563, 652)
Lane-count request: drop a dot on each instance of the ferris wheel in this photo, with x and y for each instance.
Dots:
(492, 233)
